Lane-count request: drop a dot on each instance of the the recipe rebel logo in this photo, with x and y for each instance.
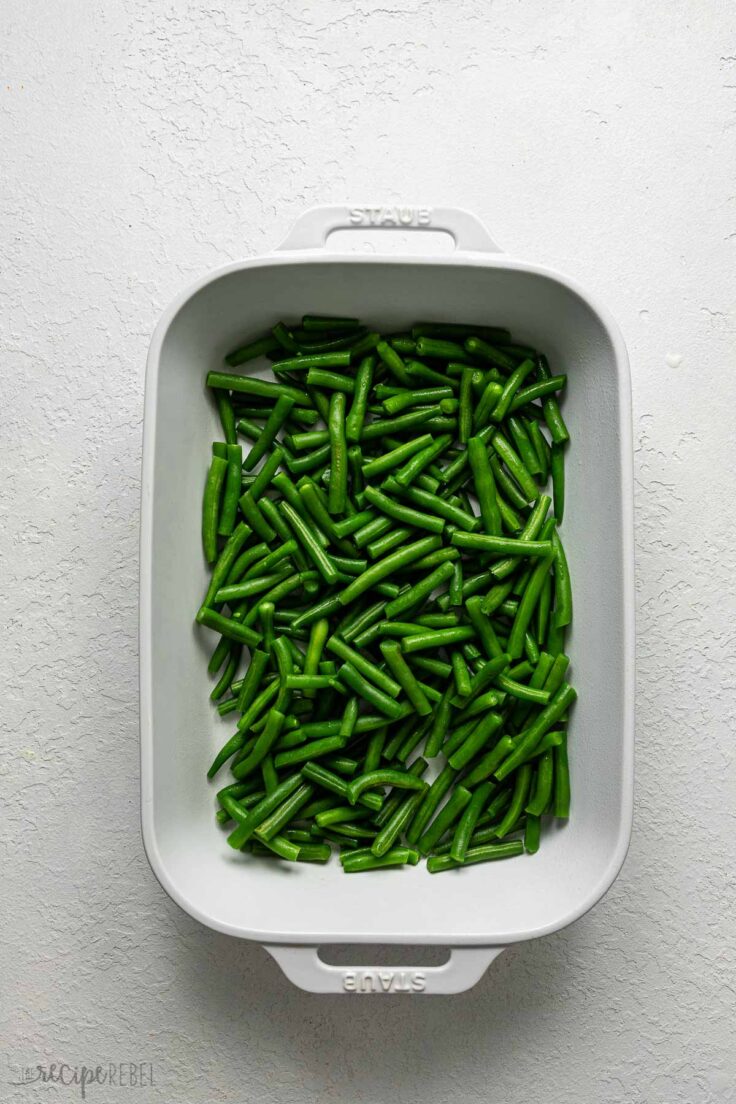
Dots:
(390, 216)
(116, 1075)
(384, 981)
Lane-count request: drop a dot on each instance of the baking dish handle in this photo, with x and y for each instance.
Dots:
(464, 969)
(312, 229)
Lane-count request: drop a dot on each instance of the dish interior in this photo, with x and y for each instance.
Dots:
(489, 903)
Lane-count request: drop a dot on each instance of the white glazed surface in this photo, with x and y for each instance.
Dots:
(152, 141)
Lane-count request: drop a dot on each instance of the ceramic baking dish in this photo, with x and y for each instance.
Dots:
(294, 909)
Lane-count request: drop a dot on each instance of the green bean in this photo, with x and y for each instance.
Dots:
(486, 853)
(465, 420)
(305, 534)
(540, 445)
(226, 560)
(486, 674)
(461, 674)
(228, 674)
(436, 638)
(354, 862)
(270, 560)
(395, 825)
(520, 793)
(421, 460)
(364, 666)
(556, 674)
(305, 361)
(527, 605)
(490, 395)
(285, 339)
(476, 740)
(363, 384)
(402, 513)
(227, 417)
(530, 736)
(338, 455)
(381, 427)
(549, 742)
(405, 677)
(394, 404)
(255, 349)
(313, 438)
(317, 637)
(458, 331)
(341, 814)
(434, 504)
(257, 815)
(383, 545)
(507, 487)
(561, 798)
(484, 484)
(319, 323)
(416, 370)
(396, 456)
(380, 570)
(447, 816)
(456, 584)
(500, 546)
(420, 590)
(557, 466)
(483, 627)
(511, 386)
(267, 436)
(403, 343)
(317, 772)
(490, 700)
(479, 348)
(430, 802)
(248, 588)
(539, 390)
(332, 381)
(466, 825)
(531, 648)
(251, 385)
(441, 349)
(263, 745)
(524, 447)
(542, 785)
(284, 813)
(253, 680)
(516, 466)
(253, 515)
(211, 506)
(372, 530)
(369, 691)
(487, 764)
(563, 589)
(312, 750)
(532, 831)
(349, 718)
(393, 362)
(385, 776)
(522, 691)
(228, 627)
(552, 416)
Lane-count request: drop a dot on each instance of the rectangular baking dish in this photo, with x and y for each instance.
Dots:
(294, 909)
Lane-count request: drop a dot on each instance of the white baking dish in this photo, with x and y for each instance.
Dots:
(293, 909)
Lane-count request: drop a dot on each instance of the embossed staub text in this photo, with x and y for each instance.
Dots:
(384, 981)
(390, 216)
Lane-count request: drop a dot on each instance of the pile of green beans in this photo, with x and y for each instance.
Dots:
(390, 590)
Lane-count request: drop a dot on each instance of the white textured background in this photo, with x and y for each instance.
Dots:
(146, 141)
